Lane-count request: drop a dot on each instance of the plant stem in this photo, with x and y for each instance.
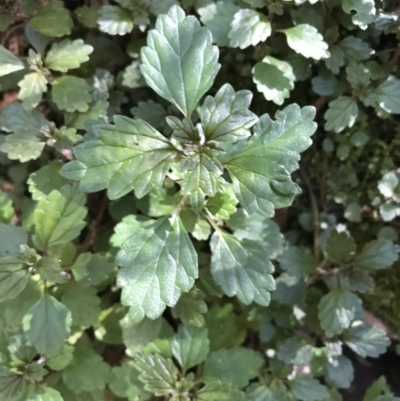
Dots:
(213, 223)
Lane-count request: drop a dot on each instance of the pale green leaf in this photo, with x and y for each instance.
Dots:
(342, 113)
(88, 15)
(190, 346)
(6, 208)
(236, 366)
(67, 55)
(249, 27)
(71, 94)
(137, 335)
(378, 254)
(337, 310)
(261, 171)
(132, 77)
(363, 11)
(14, 276)
(165, 264)
(62, 359)
(32, 88)
(59, 217)
(222, 205)
(340, 371)
(179, 62)
(305, 40)
(389, 186)
(226, 116)
(217, 391)
(190, 308)
(23, 146)
(45, 394)
(47, 325)
(92, 269)
(308, 389)
(339, 247)
(8, 62)
(274, 79)
(114, 20)
(387, 95)
(97, 111)
(297, 261)
(241, 268)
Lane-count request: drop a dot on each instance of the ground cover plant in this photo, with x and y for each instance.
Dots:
(199, 199)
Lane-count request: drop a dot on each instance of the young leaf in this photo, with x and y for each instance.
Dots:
(297, 261)
(137, 335)
(14, 276)
(32, 87)
(378, 254)
(222, 206)
(190, 308)
(274, 79)
(190, 346)
(339, 247)
(67, 55)
(158, 263)
(386, 95)
(335, 60)
(8, 62)
(24, 145)
(249, 27)
(47, 325)
(159, 375)
(226, 116)
(305, 40)
(71, 94)
(217, 391)
(261, 171)
(342, 113)
(241, 268)
(128, 155)
(340, 371)
(308, 389)
(337, 310)
(179, 62)
(114, 20)
(236, 366)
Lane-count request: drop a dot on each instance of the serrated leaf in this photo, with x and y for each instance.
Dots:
(337, 310)
(366, 340)
(340, 371)
(114, 20)
(297, 261)
(339, 247)
(50, 270)
(274, 79)
(248, 27)
(190, 346)
(378, 254)
(159, 375)
(14, 276)
(132, 77)
(62, 359)
(67, 55)
(165, 265)
(217, 18)
(71, 94)
(217, 391)
(274, 391)
(190, 308)
(355, 48)
(305, 40)
(261, 171)
(8, 62)
(84, 305)
(88, 15)
(128, 155)
(23, 146)
(179, 62)
(137, 335)
(360, 281)
(53, 20)
(387, 95)
(59, 216)
(222, 205)
(335, 60)
(308, 389)
(294, 351)
(45, 394)
(97, 111)
(364, 11)
(226, 116)
(47, 325)
(32, 87)
(236, 366)
(241, 268)
(12, 385)
(91, 269)
(151, 112)
(342, 113)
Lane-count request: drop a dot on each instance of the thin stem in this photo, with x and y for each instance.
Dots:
(181, 204)
(212, 222)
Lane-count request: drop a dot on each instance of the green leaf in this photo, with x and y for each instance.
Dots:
(114, 20)
(366, 340)
(88, 15)
(32, 87)
(6, 208)
(236, 366)
(335, 60)
(378, 254)
(387, 95)
(8, 62)
(294, 351)
(23, 146)
(339, 247)
(62, 359)
(297, 261)
(217, 18)
(132, 77)
(308, 389)
(71, 94)
(364, 11)
(97, 111)
(261, 171)
(53, 20)
(340, 371)
(14, 276)
(67, 55)
(130, 148)
(274, 79)
(226, 116)
(91, 269)
(249, 28)
(275, 390)
(179, 62)
(158, 263)
(342, 113)
(222, 205)
(137, 335)
(241, 268)
(190, 308)
(190, 346)
(355, 49)
(45, 394)
(305, 40)
(47, 325)
(159, 375)
(217, 391)
(337, 310)
(389, 186)
(59, 217)
(12, 385)
(11, 239)
(50, 270)
(84, 305)
(87, 372)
